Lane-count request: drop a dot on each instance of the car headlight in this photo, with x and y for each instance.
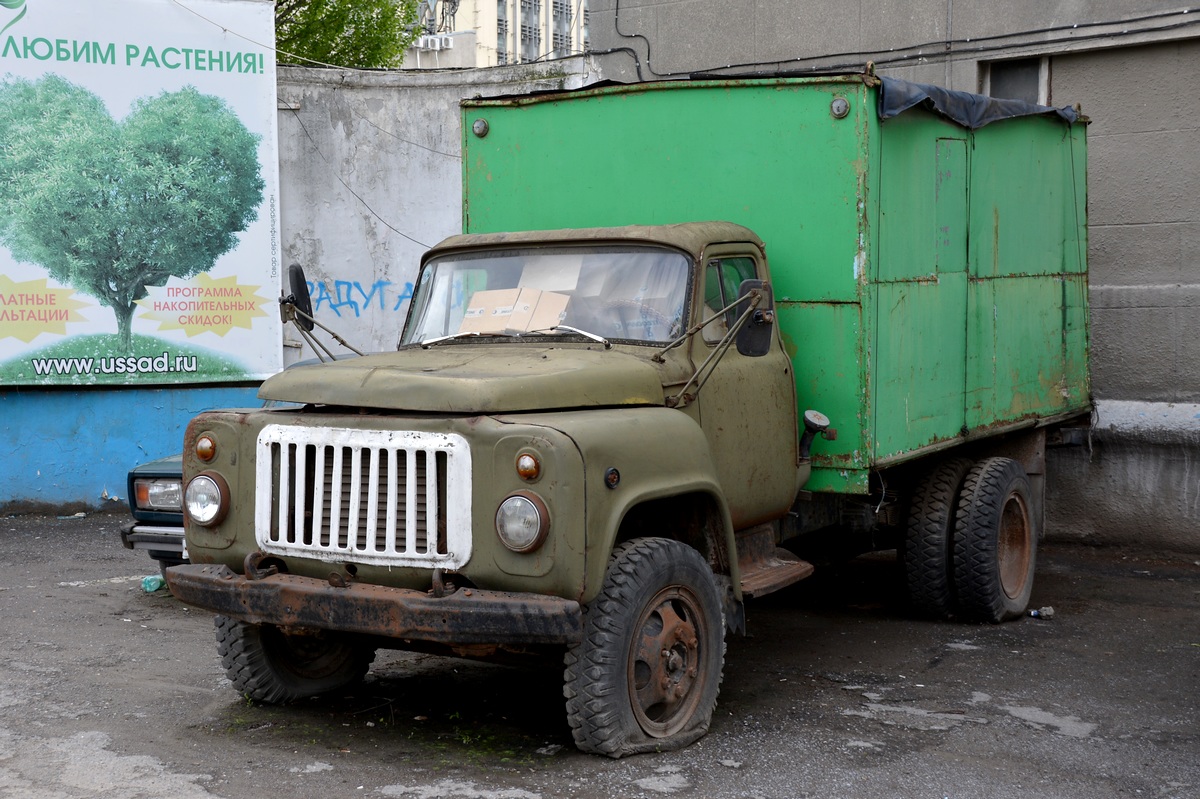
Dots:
(207, 499)
(522, 521)
(158, 494)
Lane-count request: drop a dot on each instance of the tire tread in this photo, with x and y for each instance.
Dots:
(976, 569)
(929, 539)
(595, 716)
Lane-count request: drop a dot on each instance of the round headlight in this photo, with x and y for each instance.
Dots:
(206, 499)
(522, 521)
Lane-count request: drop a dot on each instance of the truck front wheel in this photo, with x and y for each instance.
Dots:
(645, 676)
(995, 543)
(270, 665)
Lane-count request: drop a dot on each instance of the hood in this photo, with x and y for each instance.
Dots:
(474, 378)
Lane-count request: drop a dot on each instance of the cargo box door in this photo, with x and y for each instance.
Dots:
(919, 358)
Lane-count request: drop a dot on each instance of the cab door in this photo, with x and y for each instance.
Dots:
(748, 404)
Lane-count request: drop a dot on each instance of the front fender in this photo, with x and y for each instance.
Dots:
(658, 453)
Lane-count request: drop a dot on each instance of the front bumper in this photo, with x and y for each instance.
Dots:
(159, 539)
(467, 616)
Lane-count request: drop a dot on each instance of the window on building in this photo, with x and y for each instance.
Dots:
(1019, 79)
(502, 32)
(561, 28)
(531, 42)
(531, 30)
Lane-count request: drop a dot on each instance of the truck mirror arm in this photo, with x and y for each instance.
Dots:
(710, 363)
(696, 328)
(289, 311)
(297, 309)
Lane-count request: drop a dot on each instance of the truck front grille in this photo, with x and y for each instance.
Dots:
(364, 496)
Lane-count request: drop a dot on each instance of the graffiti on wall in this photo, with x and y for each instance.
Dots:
(350, 296)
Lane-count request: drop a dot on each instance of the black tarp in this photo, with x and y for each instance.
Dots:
(969, 110)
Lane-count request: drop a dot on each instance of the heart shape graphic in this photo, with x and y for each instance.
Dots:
(111, 207)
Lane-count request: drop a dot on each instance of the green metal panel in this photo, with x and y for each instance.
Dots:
(1075, 341)
(767, 154)
(1027, 347)
(1015, 364)
(825, 342)
(919, 363)
(923, 198)
(1023, 198)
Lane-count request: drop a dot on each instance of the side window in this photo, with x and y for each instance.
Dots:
(722, 277)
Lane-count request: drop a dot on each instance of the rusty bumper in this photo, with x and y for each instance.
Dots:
(468, 616)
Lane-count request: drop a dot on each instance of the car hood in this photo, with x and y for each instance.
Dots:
(474, 378)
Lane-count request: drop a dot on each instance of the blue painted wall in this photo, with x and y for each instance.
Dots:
(70, 446)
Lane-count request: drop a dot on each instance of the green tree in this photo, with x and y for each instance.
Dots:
(112, 207)
(364, 34)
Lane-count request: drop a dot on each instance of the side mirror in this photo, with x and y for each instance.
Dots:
(754, 337)
(299, 299)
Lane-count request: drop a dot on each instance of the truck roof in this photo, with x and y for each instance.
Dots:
(896, 96)
(691, 237)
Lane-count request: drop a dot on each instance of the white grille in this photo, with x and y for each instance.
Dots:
(367, 496)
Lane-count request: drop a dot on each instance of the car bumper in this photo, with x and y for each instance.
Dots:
(155, 538)
(467, 616)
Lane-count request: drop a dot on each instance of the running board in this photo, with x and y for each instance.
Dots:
(765, 567)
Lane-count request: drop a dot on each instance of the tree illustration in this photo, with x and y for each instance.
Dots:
(112, 207)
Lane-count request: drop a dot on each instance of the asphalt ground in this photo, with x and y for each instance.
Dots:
(109, 691)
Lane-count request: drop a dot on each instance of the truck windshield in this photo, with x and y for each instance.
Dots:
(625, 293)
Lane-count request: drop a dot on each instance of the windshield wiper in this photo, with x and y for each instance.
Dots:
(594, 337)
(429, 342)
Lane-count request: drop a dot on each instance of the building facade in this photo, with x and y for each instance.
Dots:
(488, 33)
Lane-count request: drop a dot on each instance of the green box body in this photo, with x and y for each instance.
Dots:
(930, 279)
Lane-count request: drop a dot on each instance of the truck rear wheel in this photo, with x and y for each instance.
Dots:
(272, 666)
(929, 539)
(995, 545)
(645, 676)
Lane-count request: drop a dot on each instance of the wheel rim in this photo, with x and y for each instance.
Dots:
(666, 663)
(1014, 546)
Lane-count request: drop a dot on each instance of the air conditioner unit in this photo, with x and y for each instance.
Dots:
(429, 43)
(447, 42)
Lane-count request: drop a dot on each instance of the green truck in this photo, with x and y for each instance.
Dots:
(694, 331)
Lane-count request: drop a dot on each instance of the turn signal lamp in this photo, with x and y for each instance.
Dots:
(528, 467)
(206, 448)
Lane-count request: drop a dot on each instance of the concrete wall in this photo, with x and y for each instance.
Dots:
(1122, 60)
(1137, 482)
(370, 175)
(1143, 215)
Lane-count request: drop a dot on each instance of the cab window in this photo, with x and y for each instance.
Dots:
(722, 277)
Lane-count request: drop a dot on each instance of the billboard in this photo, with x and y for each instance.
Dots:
(139, 234)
